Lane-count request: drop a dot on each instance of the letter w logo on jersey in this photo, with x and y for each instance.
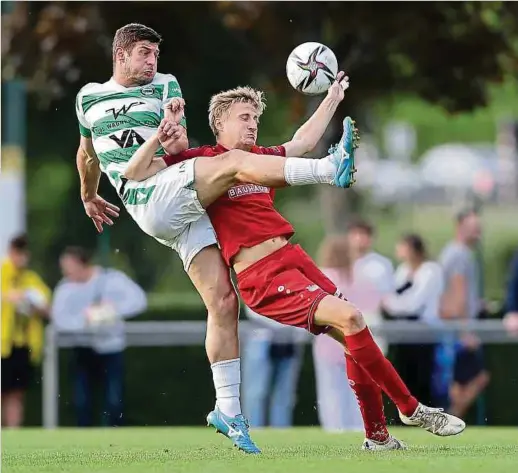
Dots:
(123, 110)
(246, 189)
(128, 138)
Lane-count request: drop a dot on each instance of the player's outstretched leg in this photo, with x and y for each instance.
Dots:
(234, 428)
(342, 155)
(343, 316)
(215, 175)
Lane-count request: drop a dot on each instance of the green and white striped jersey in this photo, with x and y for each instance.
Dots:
(120, 119)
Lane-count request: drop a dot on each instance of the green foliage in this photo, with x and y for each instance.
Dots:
(435, 126)
(446, 52)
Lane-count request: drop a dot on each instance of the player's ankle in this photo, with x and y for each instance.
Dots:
(230, 406)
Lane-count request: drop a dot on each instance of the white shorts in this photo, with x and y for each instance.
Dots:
(166, 207)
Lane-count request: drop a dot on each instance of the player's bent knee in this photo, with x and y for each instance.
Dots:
(340, 314)
(224, 306)
(354, 318)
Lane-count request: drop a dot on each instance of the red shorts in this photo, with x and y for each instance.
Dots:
(286, 286)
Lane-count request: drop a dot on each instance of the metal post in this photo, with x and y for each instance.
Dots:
(50, 394)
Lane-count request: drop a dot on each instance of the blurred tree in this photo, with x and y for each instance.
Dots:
(445, 52)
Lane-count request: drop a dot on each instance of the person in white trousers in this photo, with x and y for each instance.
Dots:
(343, 263)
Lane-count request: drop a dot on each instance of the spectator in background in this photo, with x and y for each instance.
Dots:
(372, 266)
(511, 299)
(419, 287)
(25, 301)
(272, 361)
(338, 408)
(91, 297)
(378, 268)
(462, 300)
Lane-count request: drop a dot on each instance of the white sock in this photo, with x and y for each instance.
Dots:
(302, 171)
(227, 380)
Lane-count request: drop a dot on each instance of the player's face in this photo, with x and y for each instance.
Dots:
(141, 64)
(240, 125)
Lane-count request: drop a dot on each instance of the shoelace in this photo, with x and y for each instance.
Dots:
(246, 440)
(436, 418)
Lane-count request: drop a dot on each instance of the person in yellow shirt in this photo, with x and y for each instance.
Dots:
(25, 304)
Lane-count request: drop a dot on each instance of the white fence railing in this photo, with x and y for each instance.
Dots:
(159, 334)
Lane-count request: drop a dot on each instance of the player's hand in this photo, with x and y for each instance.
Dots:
(169, 129)
(100, 211)
(338, 87)
(174, 110)
(172, 137)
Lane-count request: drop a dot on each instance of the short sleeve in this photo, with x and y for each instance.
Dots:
(84, 127)
(172, 90)
(456, 262)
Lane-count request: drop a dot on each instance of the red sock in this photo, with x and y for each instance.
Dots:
(367, 354)
(370, 400)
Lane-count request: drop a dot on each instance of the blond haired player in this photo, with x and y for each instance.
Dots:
(279, 280)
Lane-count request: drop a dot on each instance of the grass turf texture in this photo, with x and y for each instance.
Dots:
(300, 450)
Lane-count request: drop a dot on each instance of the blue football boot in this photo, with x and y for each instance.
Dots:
(234, 428)
(343, 155)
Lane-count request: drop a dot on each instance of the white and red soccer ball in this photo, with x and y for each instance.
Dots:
(311, 68)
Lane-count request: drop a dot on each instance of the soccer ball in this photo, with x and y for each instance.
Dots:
(311, 68)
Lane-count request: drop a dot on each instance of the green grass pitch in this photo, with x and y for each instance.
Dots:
(300, 450)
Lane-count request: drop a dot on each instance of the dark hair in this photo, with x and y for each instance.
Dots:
(19, 243)
(128, 35)
(415, 242)
(363, 225)
(83, 255)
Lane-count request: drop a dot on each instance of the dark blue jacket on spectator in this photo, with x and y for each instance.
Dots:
(511, 300)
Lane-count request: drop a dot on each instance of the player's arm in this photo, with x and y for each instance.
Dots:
(309, 134)
(88, 167)
(144, 163)
(178, 142)
(87, 162)
(173, 106)
(98, 209)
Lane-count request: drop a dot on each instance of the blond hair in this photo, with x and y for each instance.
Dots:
(221, 103)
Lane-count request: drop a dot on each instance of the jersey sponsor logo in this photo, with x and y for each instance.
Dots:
(247, 189)
(128, 138)
(147, 90)
(123, 110)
